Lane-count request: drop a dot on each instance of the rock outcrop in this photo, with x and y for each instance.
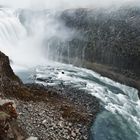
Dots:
(10, 84)
(6, 73)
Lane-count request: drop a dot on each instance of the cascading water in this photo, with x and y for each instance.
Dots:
(121, 118)
(11, 31)
(14, 38)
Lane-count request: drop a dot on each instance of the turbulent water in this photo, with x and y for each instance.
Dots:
(11, 31)
(120, 119)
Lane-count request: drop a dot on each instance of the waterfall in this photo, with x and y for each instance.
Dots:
(23, 47)
(11, 31)
(31, 38)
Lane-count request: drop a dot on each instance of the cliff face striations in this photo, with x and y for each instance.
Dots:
(108, 37)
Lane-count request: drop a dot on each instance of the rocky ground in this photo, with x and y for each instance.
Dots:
(59, 120)
(48, 113)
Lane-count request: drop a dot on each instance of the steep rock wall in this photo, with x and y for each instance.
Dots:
(111, 38)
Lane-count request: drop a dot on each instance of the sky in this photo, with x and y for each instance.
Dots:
(49, 4)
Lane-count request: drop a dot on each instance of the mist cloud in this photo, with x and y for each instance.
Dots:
(49, 4)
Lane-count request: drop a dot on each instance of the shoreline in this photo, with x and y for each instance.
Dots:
(82, 101)
(113, 73)
(47, 113)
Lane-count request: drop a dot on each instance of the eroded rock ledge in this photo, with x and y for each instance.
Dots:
(47, 113)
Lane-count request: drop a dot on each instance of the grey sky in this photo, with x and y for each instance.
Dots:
(66, 3)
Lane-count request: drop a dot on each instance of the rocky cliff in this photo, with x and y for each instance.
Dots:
(108, 37)
(107, 41)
